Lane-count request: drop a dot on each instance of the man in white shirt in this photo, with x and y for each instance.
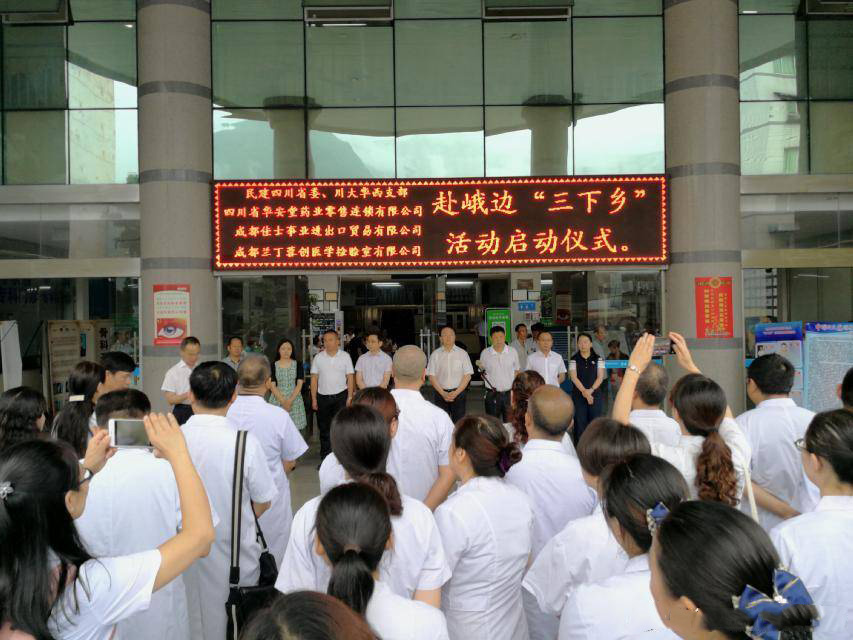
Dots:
(373, 369)
(771, 427)
(523, 345)
(212, 440)
(280, 441)
(234, 346)
(552, 479)
(449, 372)
(176, 383)
(332, 386)
(546, 363)
(133, 506)
(599, 341)
(499, 364)
(646, 413)
(419, 458)
(119, 369)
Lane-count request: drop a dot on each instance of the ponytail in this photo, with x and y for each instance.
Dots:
(353, 527)
(523, 386)
(487, 444)
(72, 422)
(385, 484)
(716, 479)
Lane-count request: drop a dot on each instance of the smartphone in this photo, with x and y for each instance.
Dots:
(663, 347)
(128, 433)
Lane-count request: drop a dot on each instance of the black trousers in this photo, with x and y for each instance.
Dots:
(497, 404)
(455, 409)
(585, 412)
(182, 412)
(327, 407)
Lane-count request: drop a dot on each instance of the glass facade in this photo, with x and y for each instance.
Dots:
(796, 90)
(439, 93)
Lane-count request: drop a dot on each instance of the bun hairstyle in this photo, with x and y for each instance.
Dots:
(20, 409)
(629, 489)
(34, 522)
(830, 436)
(701, 405)
(606, 441)
(353, 525)
(487, 444)
(523, 386)
(72, 422)
(307, 615)
(361, 442)
(730, 551)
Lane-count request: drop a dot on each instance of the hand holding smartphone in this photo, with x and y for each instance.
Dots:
(128, 433)
(663, 347)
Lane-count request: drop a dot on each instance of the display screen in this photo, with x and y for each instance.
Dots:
(441, 224)
(130, 433)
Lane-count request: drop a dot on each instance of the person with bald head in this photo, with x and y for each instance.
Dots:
(419, 458)
(552, 479)
(646, 413)
(280, 439)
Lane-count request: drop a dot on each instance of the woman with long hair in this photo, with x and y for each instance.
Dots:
(487, 530)
(50, 586)
(75, 420)
(818, 546)
(353, 533)
(288, 377)
(523, 386)
(23, 412)
(713, 454)
(716, 575)
(416, 566)
(633, 493)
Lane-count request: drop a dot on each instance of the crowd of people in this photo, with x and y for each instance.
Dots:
(541, 519)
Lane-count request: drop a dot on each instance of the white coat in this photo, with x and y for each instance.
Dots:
(394, 617)
(487, 529)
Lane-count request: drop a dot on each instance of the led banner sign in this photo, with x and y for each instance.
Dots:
(441, 224)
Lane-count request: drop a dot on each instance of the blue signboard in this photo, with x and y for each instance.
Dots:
(527, 306)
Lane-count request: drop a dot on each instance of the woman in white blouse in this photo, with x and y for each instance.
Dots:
(486, 527)
(416, 566)
(353, 532)
(633, 492)
(818, 546)
(43, 489)
(712, 454)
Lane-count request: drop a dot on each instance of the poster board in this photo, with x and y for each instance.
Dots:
(786, 339)
(171, 314)
(714, 307)
(68, 342)
(500, 317)
(828, 356)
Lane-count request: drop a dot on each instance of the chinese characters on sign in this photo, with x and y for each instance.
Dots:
(714, 313)
(171, 314)
(311, 224)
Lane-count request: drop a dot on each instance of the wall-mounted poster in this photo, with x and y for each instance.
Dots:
(714, 309)
(171, 314)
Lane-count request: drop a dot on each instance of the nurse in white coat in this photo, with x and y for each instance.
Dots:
(487, 529)
(818, 546)
(715, 575)
(585, 549)
(633, 492)
(43, 489)
(416, 567)
(353, 532)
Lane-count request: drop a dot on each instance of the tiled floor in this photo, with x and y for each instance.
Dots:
(304, 482)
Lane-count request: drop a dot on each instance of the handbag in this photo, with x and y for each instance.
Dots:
(243, 602)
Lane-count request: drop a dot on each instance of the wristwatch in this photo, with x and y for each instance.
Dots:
(634, 368)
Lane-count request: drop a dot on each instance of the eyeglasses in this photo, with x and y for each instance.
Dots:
(800, 443)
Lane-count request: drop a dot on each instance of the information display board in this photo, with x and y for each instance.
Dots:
(829, 354)
(714, 308)
(499, 317)
(446, 224)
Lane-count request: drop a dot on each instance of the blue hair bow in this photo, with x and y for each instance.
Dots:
(788, 590)
(655, 516)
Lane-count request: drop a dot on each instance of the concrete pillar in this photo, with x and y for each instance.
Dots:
(175, 171)
(703, 162)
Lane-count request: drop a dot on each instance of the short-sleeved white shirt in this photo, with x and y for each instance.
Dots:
(177, 379)
(332, 372)
(108, 590)
(421, 445)
(394, 617)
(279, 440)
(549, 367)
(656, 425)
(771, 428)
(134, 482)
(500, 367)
(373, 367)
(449, 367)
(416, 563)
(211, 441)
(584, 551)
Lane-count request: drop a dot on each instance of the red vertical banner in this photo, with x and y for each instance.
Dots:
(171, 314)
(714, 309)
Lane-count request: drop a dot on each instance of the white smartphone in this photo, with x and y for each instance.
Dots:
(128, 433)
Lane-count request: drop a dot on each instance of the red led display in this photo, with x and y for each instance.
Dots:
(443, 224)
